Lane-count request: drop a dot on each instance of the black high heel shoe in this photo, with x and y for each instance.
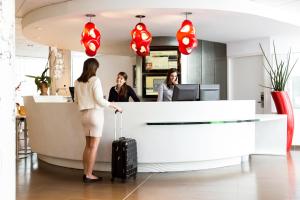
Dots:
(91, 180)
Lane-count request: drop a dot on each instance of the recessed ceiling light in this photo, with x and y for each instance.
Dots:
(38, 28)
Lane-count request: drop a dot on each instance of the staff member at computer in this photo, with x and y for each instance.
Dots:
(121, 92)
(165, 90)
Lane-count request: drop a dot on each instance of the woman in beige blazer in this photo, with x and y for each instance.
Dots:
(89, 97)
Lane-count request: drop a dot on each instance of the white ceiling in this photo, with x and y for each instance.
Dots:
(24, 46)
(25, 6)
(278, 3)
(27, 48)
(59, 23)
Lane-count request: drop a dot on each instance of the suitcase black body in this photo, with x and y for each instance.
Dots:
(123, 158)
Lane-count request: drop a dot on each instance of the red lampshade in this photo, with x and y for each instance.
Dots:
(90, 39)
(186, 37)
(141, 39)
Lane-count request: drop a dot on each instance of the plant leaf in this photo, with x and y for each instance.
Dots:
(31, 76)
(44, 72)
(280, 73)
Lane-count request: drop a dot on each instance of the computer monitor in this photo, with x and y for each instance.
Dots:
(71, 89)
(210, 92)
(186, 92)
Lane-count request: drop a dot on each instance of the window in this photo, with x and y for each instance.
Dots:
(294, 82)
(27, 66)
(77, 60)
(295, 91)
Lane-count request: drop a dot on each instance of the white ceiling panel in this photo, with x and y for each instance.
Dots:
(27, 48)
(25, 6)
(276, 3)
(218, 20)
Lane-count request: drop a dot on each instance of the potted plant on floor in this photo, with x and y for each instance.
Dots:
(279, 74)
(42, 82)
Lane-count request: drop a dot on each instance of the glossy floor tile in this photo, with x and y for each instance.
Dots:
(263, 178)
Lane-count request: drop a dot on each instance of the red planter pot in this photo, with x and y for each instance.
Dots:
(284, 106)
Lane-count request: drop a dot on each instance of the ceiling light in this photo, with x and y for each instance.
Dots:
(141, 38)
(90, 37)
(186, 36)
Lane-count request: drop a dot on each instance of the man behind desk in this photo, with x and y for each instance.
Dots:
(165, 90)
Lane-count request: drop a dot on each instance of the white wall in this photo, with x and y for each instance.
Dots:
(27, 66)
(110, 66)
(248, 72)
(245, 49)
(283, 43)
(7, 104)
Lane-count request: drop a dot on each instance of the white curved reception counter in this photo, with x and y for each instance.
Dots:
(171, 136)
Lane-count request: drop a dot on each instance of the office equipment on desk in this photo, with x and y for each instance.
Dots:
(186, 92)
(209, 92)
(71, 89)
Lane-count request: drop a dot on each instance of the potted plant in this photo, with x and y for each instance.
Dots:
(42, 82)
(279, 74)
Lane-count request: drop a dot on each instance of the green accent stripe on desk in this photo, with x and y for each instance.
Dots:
(204, 122)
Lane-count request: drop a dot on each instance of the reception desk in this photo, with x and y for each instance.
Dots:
(171, 136)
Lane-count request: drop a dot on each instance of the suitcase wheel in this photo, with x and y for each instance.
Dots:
(112, 179)
(134, 177)
(123, 180)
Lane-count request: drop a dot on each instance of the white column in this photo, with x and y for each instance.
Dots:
(7, 104)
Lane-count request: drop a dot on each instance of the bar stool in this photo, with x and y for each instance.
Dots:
(22, 135)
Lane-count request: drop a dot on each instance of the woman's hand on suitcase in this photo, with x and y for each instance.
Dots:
(116, 107)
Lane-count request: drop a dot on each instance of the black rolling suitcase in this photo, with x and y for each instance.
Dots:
(123, 155)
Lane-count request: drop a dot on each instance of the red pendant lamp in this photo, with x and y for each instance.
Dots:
(90, 37)
(141, 38)
(186, 36)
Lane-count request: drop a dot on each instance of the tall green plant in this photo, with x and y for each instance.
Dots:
(41, 79)
(279, 74)
(38, 80)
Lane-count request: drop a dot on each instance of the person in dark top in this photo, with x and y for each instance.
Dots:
(121, 92)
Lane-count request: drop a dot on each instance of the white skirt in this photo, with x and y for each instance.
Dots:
(92, 121)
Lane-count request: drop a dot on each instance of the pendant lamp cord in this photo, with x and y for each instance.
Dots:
(140, 17)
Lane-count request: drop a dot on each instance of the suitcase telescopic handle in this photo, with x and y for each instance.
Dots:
(121, 124)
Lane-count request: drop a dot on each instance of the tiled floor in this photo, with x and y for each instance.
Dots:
(263, 178)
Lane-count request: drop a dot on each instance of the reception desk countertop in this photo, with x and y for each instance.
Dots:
(171, 136)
